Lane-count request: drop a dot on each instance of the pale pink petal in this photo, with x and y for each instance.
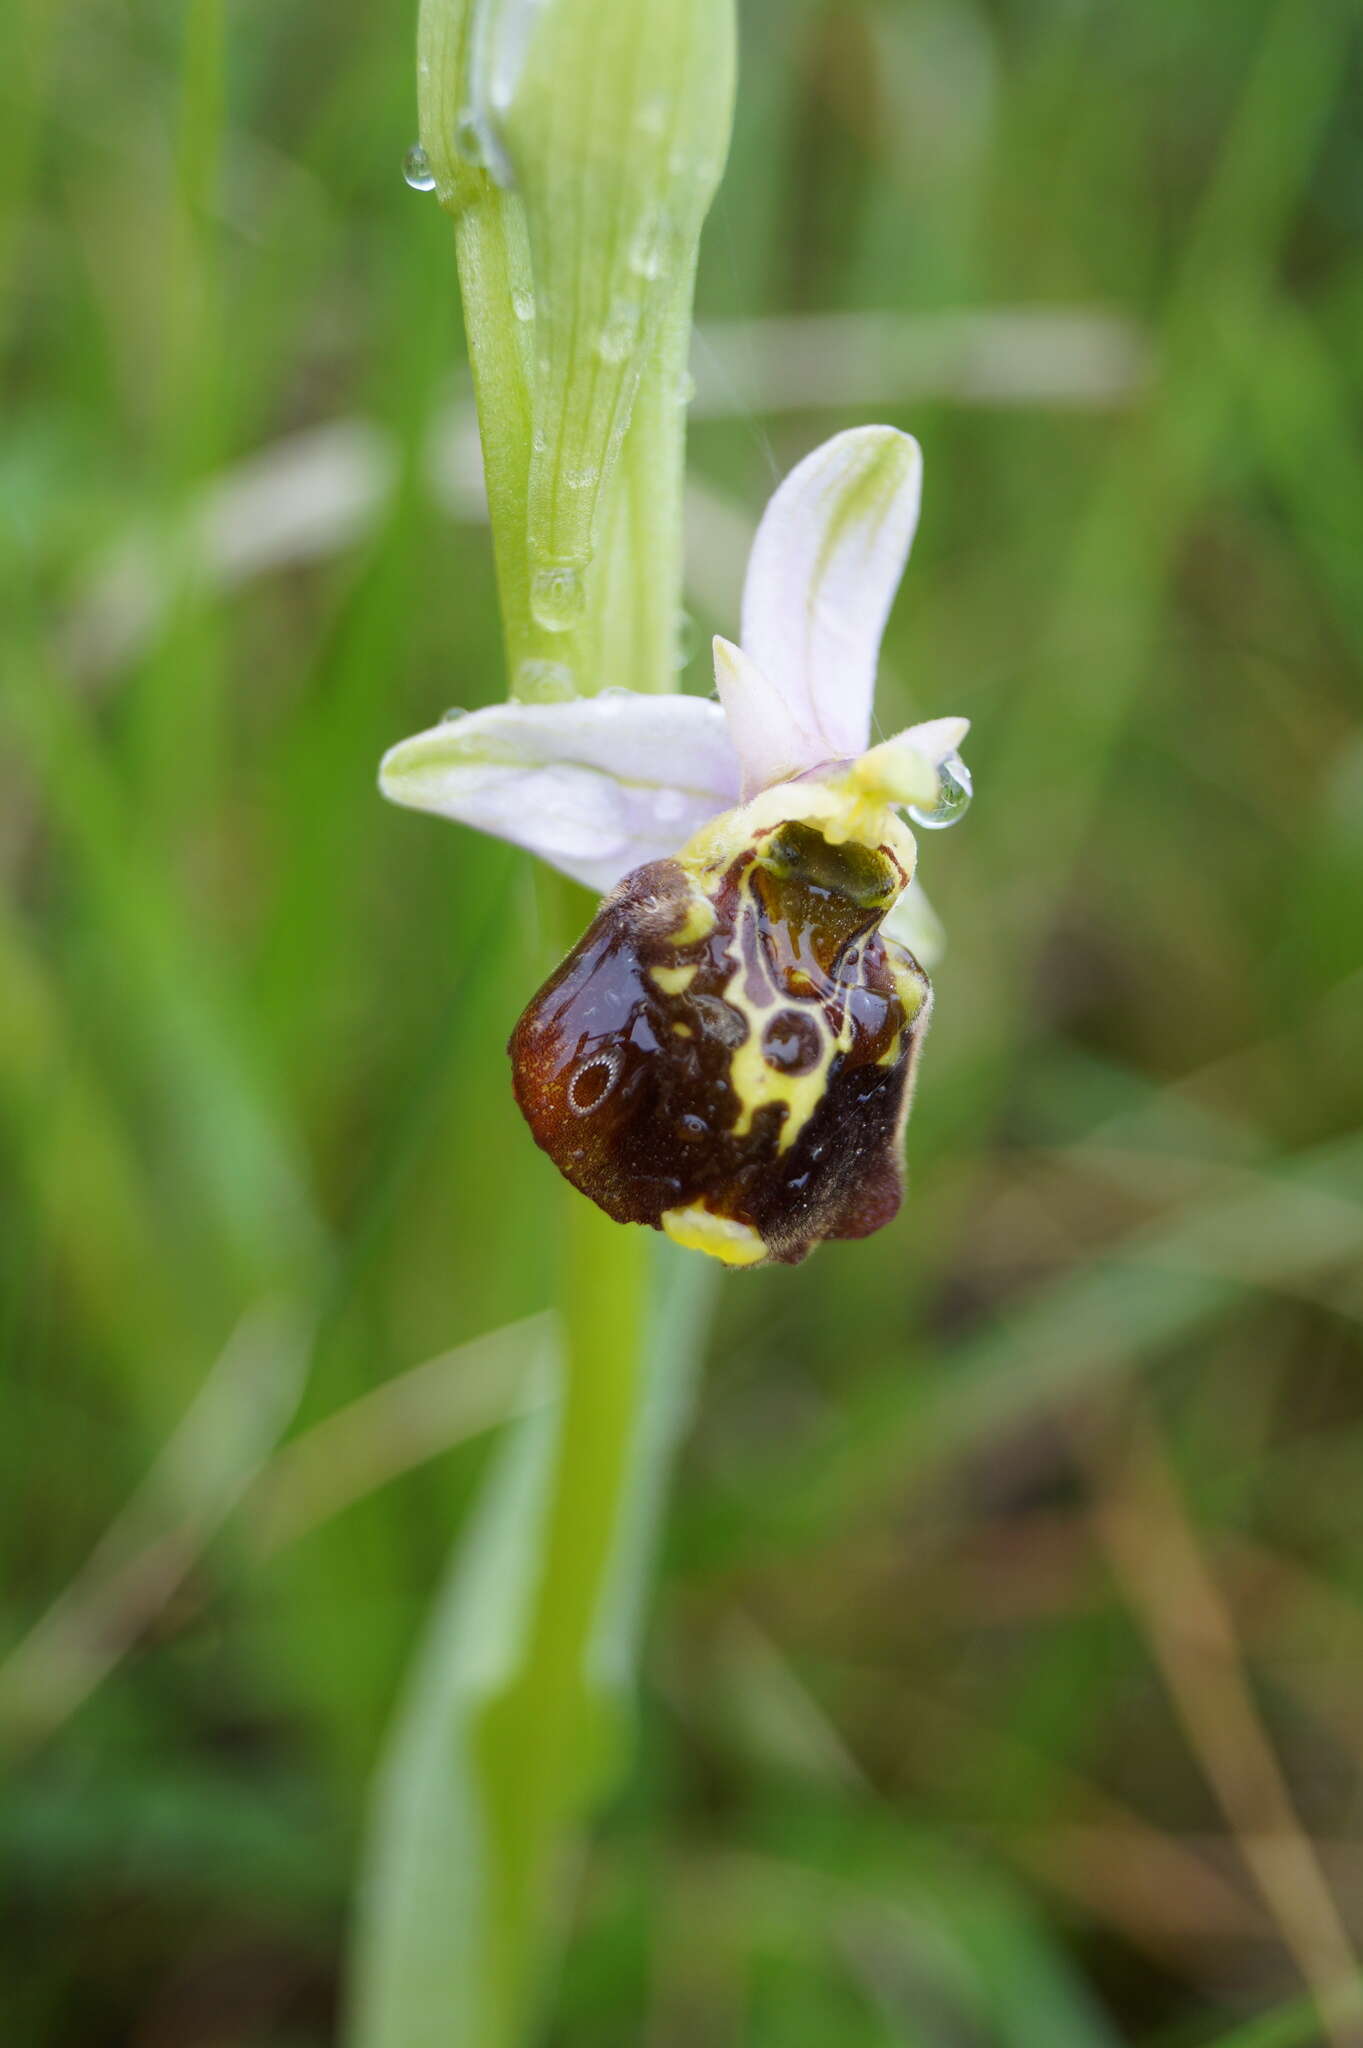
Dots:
(768, 738)
(824, 568)
(595, 786)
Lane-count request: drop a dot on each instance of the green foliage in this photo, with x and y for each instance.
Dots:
(909, 1767)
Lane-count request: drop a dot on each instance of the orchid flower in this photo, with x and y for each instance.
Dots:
(728, 1053)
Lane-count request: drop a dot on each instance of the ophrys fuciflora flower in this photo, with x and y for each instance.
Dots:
(728, 1054)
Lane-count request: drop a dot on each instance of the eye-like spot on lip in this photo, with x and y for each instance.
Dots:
(593, 1081)
(792, 1042)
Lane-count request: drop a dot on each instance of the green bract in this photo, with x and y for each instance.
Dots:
(578, 144)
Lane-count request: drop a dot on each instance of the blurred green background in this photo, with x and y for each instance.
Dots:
(1006, 1677)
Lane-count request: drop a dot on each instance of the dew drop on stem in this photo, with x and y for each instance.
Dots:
(557, 596)
(544, 682)
(648, 249)
(468, 139)
(416, 169)
(617, 338)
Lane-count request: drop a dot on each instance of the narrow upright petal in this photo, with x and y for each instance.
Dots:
(825, 565)
(769, 736)
(596, 786)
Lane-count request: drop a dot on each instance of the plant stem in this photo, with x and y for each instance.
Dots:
(493, 270)
(576, 278)
(627, 637)
(546, 1742)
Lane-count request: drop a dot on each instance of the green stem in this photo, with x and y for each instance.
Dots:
(627, 636)
(577, 293)
(518, 1708)
(546, 1742)
(493, 272)
(637, 614)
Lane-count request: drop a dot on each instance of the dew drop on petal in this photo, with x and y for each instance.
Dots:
(456, 711)
(416, 169)
(544, 682)
(523, 305)
(557, 596)
(954, 791)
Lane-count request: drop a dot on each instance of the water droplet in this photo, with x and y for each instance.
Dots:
(685, 645)
(556, 596)
(468, 139)
(692, 1128)
(455, 711)
(686, 388)
(544, 682)
(618, 336)
(523, 305)
(953, 796)
(416, 169)
(648, 250)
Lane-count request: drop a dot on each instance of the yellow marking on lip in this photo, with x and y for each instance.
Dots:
(699, 921)
(721, 1237)
(835, 804)
(837, 810)
(914, 992)
(755, 1083)
(673, 980)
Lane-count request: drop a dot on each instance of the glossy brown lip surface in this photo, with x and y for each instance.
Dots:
(745, 1045)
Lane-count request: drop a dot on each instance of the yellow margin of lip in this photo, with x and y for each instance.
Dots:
(723, 1237)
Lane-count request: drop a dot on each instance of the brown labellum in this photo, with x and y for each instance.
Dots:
(729, 1056)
